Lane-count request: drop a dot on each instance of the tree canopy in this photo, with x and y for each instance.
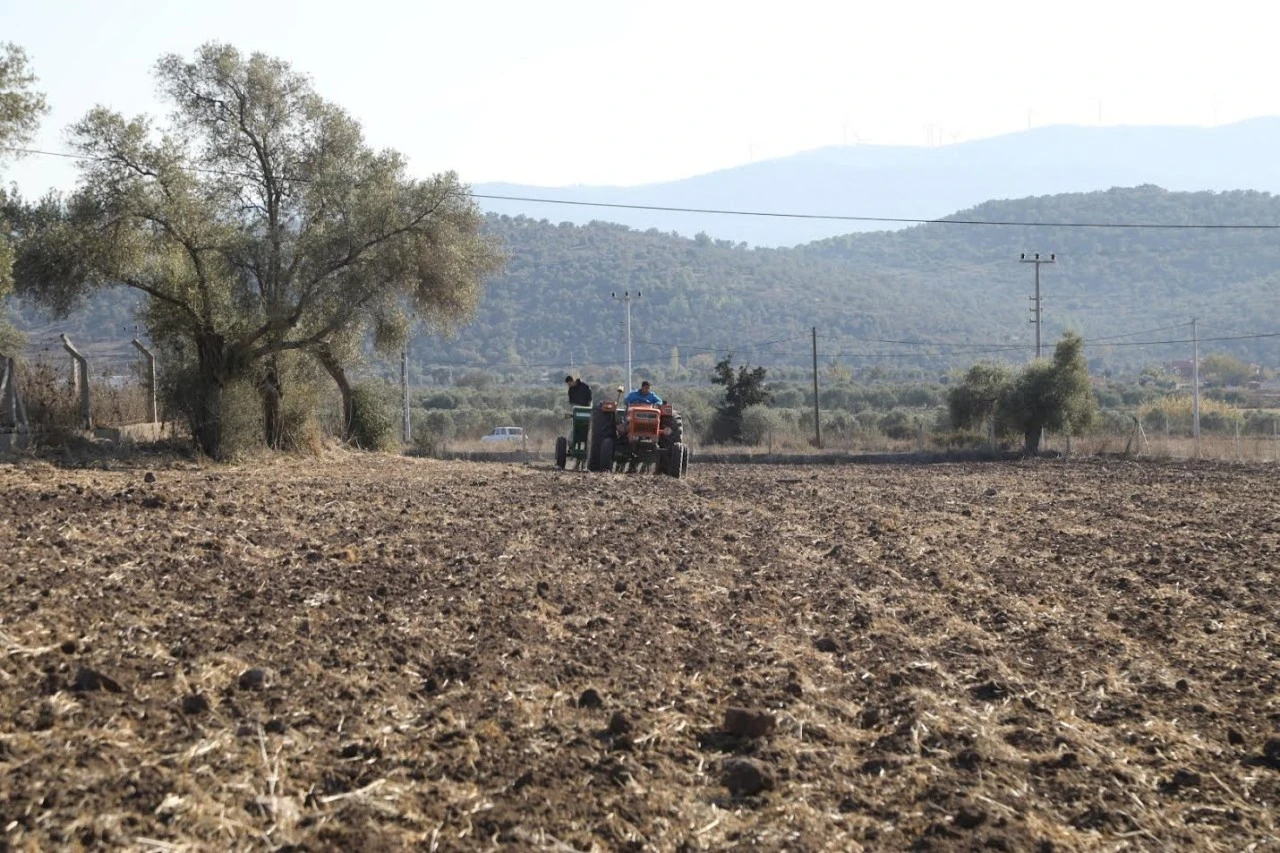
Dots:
(742, 389)
(257, 222)
(1053, 394)
(20, 109)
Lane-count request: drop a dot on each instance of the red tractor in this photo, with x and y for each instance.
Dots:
(638, 437)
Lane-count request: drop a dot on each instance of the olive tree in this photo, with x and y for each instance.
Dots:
(20, 110)
(975, 401)
(1048, 394)
(258, 222)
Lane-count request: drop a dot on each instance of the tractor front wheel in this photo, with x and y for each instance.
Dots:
(562, 451)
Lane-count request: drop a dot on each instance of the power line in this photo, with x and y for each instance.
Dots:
(1143, 332)
(894, 219)
(1193, 340)
(831, 217)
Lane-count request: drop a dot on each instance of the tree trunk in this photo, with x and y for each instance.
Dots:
(335, 369)
(206, 413)
(271, 418)
(1032, 436)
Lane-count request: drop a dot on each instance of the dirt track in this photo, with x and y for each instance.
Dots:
(376, 653)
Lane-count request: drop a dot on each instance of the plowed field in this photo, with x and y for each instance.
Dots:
(372, 653)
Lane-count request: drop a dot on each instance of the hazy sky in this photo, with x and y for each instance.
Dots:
(561, 91)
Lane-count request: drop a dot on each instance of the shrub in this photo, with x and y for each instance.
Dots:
(373, 417)
(899, 424)
(759, 423)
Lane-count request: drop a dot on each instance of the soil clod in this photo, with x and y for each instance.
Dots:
(90, 680)
(195, 703)
(256, 678)
(745, 723)
(746, 777)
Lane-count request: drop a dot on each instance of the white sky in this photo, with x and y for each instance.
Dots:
(596, 92)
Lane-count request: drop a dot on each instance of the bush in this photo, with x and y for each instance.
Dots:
(241, 420)
(1177, 411)
(899, 424)
(759, 423)
(373, 417)
(1258, 422)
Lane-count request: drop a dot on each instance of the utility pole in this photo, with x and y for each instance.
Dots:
(817, 416)
(626, 298)
(1195, 383)
(1037, 260)
(404, 392)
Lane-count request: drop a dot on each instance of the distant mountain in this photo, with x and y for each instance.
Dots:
(915, 182)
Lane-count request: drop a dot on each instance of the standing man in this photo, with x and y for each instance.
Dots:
(579, 391)
(644, 395)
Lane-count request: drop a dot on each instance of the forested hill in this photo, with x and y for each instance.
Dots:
(958, 287)
(955, 292)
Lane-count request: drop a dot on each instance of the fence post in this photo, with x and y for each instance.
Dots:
(8, 403)
(151, 379)
(81, 376)
(13, 413)
(16, 408)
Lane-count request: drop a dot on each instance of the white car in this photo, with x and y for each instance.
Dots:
(507, 433)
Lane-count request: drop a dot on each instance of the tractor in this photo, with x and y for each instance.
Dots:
(575, 445)
(638, 437)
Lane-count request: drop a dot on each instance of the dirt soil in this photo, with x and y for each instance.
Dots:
(373, 653)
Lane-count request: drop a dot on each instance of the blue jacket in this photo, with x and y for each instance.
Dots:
(639, 396)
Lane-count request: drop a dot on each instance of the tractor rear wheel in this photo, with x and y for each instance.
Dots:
(677, 428)
(675, 464)
(562, 451)
(605, 457)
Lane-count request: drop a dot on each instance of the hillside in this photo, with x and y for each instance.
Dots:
(959, 288)
(924, 183)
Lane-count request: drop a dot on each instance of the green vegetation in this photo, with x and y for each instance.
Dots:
(259, 225)
(958, 289)
(1052, 394)
(743, 391)
(1221, 369)
(20, 111)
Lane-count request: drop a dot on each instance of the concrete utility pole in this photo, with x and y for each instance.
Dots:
(1037, 260)
(626, 298)
(1195, 382)
(817, 416)
(404, 392)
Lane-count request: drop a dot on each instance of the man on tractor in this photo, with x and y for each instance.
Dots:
(579, 391)
(575, 444)
(643, 396)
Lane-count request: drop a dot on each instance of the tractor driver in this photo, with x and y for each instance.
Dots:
(579, 391)
(644, 395)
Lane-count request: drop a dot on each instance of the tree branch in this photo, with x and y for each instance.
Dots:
(340, 318)
(159, 294)
(354, 254)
